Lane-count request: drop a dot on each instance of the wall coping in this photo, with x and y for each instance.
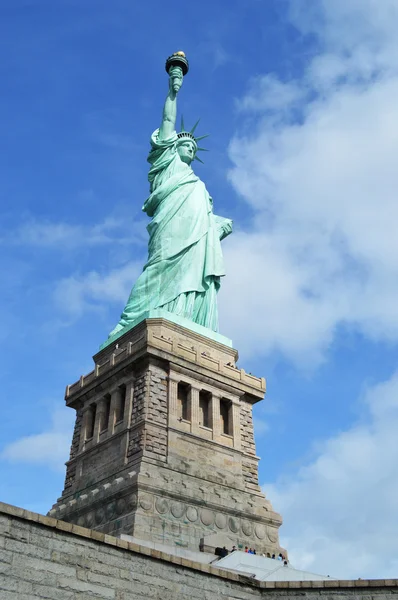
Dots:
(109, 540)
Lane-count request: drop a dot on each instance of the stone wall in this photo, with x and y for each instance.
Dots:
(41, 557)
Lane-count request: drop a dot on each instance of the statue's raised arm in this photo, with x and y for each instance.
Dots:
(170, 106)
(176, 67)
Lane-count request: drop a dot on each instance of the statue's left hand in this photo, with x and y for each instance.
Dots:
(225, 229)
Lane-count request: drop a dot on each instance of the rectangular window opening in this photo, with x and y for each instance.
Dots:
(225, 414)
(90, 421)
(204, 408)
(105, 414)
(121, 406)
(183, 401)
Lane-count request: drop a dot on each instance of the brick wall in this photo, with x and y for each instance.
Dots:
(157, 401)
(42, 557)
(149, 403)
(71, 468)
(76, 434)
(156, 436)
(141, 386)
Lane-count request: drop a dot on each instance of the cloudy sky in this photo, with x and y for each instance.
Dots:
(300, 100)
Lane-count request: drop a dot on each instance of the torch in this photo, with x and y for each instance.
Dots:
(177, 66)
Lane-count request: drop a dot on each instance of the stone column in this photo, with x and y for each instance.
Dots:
(102, 414)
(87, 417)
(128, 402)
(215, 416)
(116, 405)
(235, 414)
(173, 399)
(99, 416)
(194, 410)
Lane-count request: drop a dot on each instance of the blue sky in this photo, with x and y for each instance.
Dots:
(300, 100)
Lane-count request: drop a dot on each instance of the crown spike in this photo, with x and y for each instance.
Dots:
(201, 137)
(195, 126)
(182, 123)
(202, 149)
(197, 158)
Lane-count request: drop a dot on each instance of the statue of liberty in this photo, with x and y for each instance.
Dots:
(185, 262)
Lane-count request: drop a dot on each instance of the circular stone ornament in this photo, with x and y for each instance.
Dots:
(111, 510)
(99, 515)
(221, 521)
(247, 528)
(207, 516)
(233, 525)
(161, 505)
(81, 521)
(145, 502)
(120, 506)
(272, 534)
(89, 519)
(132, 502)
(177, 510)
(260, 531)
(192, 514)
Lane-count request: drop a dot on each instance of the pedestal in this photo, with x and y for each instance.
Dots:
(163, 447)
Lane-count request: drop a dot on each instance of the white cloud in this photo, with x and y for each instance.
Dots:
(92, 291)
(340, 510)
(267, 92)
(49, 448)
(68, 236)
(318, 168)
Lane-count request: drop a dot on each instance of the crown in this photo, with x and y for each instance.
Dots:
(184, 133)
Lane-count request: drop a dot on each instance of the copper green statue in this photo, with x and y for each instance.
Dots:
(185, 262)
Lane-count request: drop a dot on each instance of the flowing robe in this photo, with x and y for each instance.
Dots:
(185, 263)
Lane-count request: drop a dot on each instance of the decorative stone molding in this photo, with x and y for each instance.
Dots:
(247, 528)
(89, 519)
(192, 514)
(233, 525)
(207, 516)
(177, 509)
(120, 506)
(272, 534)
(145, 501)
(132, 502)
(260, 531)
(198, 352)
(161, 505)
(221, 521)
(99, 516)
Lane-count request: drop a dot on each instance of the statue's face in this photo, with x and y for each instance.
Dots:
(186, 150)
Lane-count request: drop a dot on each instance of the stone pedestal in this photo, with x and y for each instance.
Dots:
(163, 447)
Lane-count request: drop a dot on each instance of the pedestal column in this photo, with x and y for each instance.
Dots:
(215, 416)
(116, 406)
(99, 418)
(173, 400)
(236, 425)
(88, 414)
(103, 415)
(194, 410)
